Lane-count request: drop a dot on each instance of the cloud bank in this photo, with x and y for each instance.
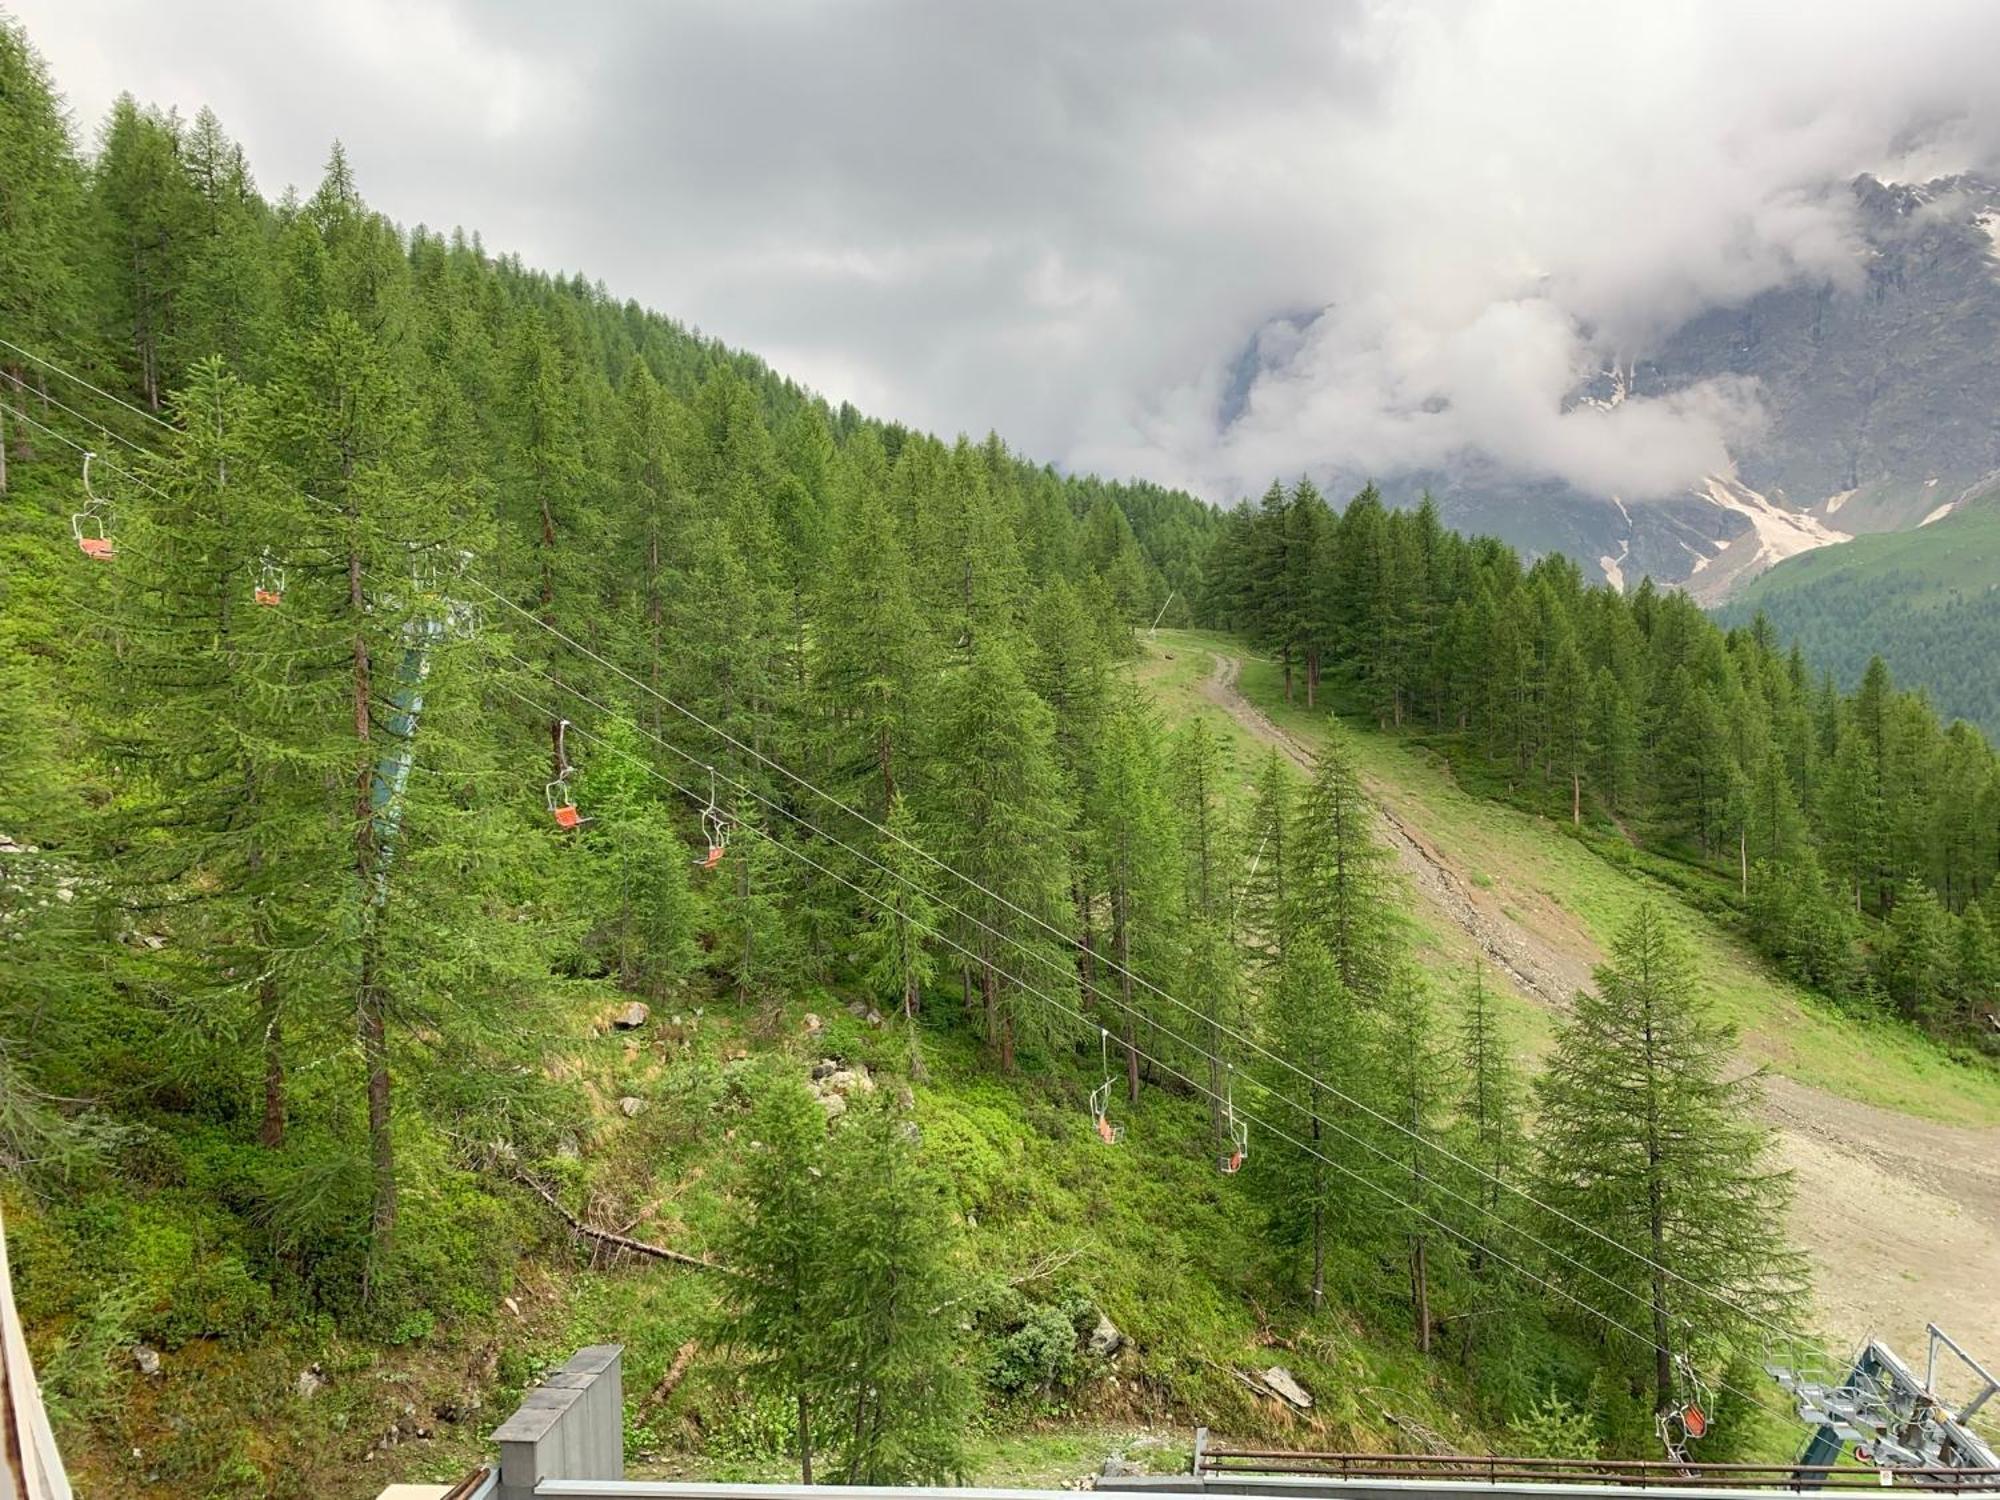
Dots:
(1426, 219)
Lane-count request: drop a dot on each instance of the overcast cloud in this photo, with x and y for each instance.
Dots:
(1065, 221)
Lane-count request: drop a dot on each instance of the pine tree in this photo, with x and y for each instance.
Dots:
(1654, 1170)
(897, 1388)
(753, 902)
(344, 423)
(224, 307)
(227, 798)
(1414, 1082)
(1486, 1133)
(1614, 743)
(1337, 872)
(1264, 904)
(40, 220)
(995, 792)
(1320, 1028)
(1133, 846)
(1852, 814)
(1567, 709)
(1068, 668)
(1208, 856)
(659, 516)
(895, 956)
(1975, 968)
(148, 208)
(780, 1248)
(1914, 964)
(875, 655)
(1210, 860)
(637, 880)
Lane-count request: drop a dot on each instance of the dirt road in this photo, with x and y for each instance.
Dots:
(1541, 966)
(1900, 1216)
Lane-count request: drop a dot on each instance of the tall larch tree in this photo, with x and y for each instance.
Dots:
(1655, 1172)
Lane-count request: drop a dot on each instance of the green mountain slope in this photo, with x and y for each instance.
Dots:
(517, 752)
(1926, 601)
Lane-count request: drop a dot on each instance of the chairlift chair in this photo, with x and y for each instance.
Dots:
(269, 589)
(562, 805)
(715, 826)
(1100, 1097)
(1239, 1133)
(87, 525)
(1239, 1145)
(1688, 1421)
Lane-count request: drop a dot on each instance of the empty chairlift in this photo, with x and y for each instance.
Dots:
(562, 805)
(93, 538)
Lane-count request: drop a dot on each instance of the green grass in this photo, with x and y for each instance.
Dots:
(1536, 864)
(1927, 600)
(1148, 1232)
(1957, 555)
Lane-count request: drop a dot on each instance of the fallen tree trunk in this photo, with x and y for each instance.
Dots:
(670, 1382)
(619, 1241)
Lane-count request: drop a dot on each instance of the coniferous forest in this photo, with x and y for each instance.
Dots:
(1856, 835)
(413, 662)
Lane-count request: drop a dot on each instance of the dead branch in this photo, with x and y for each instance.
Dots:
(616, 1241)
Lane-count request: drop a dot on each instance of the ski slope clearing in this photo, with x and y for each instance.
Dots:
(1896, 1149)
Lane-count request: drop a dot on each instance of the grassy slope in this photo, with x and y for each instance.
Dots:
(1959, 554)
(1149, 1231)
(1529, 861)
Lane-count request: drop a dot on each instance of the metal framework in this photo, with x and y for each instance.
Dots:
(1888, 1417)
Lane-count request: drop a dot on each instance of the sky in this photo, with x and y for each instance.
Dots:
(1425, 220)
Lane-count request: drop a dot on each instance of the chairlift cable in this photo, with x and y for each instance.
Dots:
(1240, 1143)
(1165, 1067)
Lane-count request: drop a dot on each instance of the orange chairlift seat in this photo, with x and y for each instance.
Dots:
(715, 826)
(93, 542)
(562, 806)
(87, 525)
(269, 589)
(1688, 1421)
(1100, 1097)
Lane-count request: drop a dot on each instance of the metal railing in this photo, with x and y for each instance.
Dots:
(1624, 1473)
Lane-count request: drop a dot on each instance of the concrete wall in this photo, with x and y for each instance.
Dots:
(572, 1426)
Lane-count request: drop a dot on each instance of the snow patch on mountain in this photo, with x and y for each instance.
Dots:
(1940, 513)
(1614, 567)
(1775, 534)
(1780, 533)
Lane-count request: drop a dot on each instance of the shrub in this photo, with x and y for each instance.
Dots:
(1553, 1428)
